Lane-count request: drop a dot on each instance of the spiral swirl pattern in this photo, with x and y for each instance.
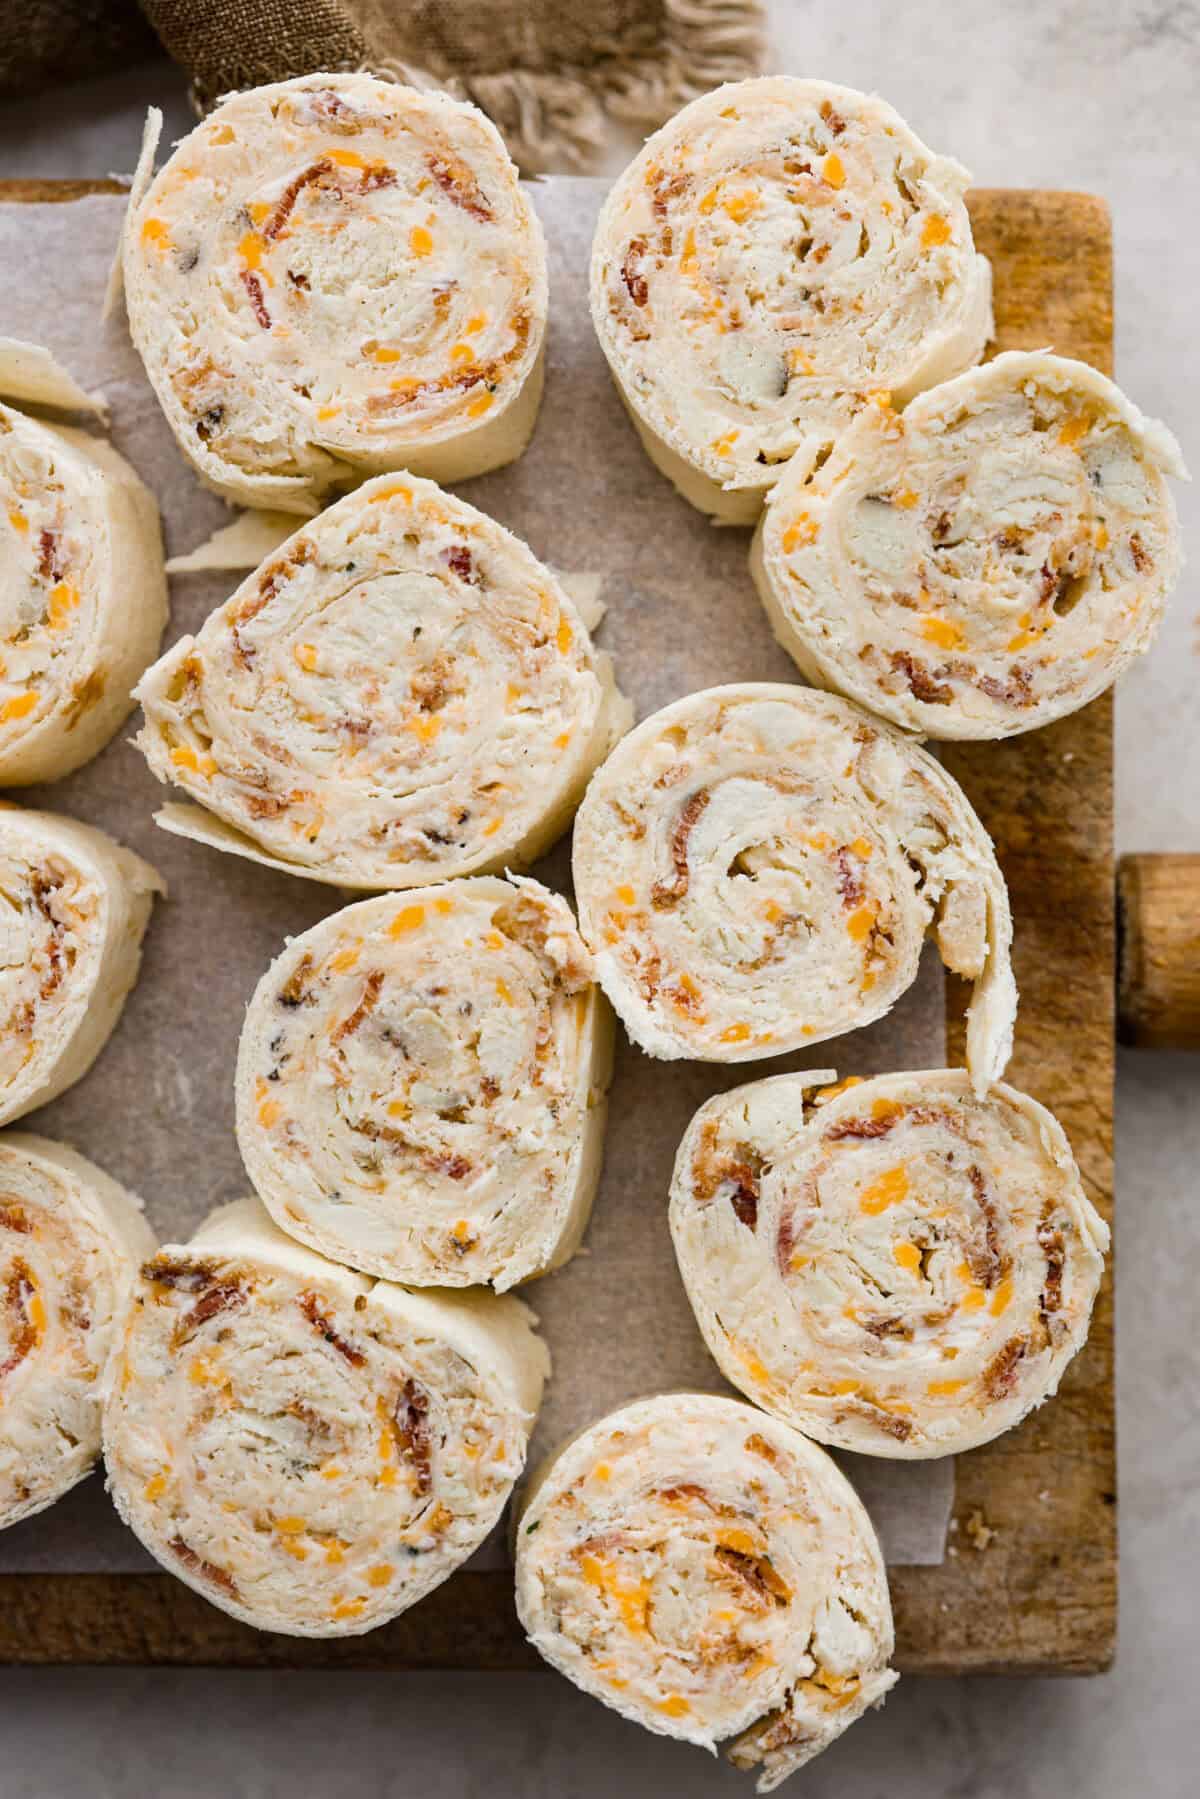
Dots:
(70, 1243)
(778, 253)
(421, 1087)
(757, 866)
(899, 1267)
(70, 945)
(986, 561)
(400, 694)
(334, 276)
(310, 1450)
(709, 1573)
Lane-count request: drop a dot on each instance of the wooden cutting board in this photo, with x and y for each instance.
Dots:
(1030, 1583)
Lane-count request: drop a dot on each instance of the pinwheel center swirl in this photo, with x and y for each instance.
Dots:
(763, 875)
(974, 555)
(906, 1215)
(696, 1578)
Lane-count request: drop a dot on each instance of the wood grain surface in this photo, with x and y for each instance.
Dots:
(1039, 1593)
(1158, 960)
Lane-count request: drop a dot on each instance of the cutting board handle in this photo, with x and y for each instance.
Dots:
(1158, 951)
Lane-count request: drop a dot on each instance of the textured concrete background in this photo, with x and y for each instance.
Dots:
(1053, 93)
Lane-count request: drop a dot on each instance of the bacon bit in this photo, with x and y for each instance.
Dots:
(220, 1577)
(758, 1445)
(456, 180)
(375, 176)
(310, 1305)
(669, 893)
(756, 1572)
(20, 1297)
(455, 1168)
(861, 1127)
(227, 1296)
(264, 805)
(1050, 1242)
(631, 275)
(253, 287)
(1016, 691)
(1000, 1375)
(989, 1267)
(287, 200)
(921, 683)
(833, 119)
(164, 1271)
(13, 1217)
(1141, 557)
(411, 1423)
(294, 991)
(48, 565)
(328, 104)
(666, 189)
(849, 883)
(785, 1244)
(900, 1428)
(366, 1005)
(460, 562)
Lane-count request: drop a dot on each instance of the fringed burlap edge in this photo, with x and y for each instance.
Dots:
(556, 120)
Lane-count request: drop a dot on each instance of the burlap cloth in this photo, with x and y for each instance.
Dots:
(547, 71)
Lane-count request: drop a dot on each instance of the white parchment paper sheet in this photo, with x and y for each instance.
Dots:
(157, 1108)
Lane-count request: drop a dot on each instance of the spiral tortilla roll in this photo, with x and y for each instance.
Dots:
(337, 276)
(71, 1240)
(756, 868)
(780, 252)
(420, 1088)
(83, 597)
(310, 1450)
(70, 945)
(402, 694)
(987, 561)
(900, 1267)
(708, 1573)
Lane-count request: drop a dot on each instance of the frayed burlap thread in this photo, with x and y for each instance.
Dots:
(550, 73)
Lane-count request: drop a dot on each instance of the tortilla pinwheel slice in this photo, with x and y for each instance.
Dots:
(421, 1087)
(70, 946)
(709, 1573)
(401, 694)
(83, 596)
(782, 253)
(334, 277)
(71, 1240)
(756, 869)
(311, 1450)
(895, 1266)
(986, 561)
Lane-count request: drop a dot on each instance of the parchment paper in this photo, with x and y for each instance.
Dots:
(157, 1108)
